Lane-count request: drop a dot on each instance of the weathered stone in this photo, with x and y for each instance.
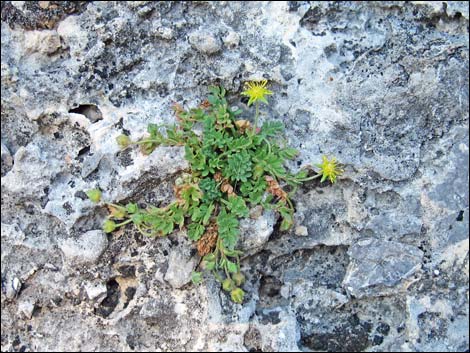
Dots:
(95, 291)
(26, 309)
(43, 42)
(378, 267)
(254, 233)
(232, 39)
(181, 264)
(205, 42)
(7, 160)
(273, 327)
(85, 249)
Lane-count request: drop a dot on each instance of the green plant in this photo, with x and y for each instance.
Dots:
(235, 165)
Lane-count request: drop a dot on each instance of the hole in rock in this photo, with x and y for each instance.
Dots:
(111, 301)
(91, 111)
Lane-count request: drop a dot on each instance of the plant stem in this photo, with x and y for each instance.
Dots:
(124, 223)
(256, 114)
(217, 276)
(310, 178)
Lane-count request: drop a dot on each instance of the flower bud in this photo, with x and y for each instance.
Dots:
(237, 295)
(94, 195)
(109, 226)
(227, 285)
(238, 278)
(123, 141)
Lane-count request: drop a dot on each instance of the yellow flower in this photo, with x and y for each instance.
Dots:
(329, 169)
(256, 91)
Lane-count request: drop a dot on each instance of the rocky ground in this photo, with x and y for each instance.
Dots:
(377, 262)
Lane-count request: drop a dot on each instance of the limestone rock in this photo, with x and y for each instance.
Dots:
(85, 249)
(205, 42)
(378, 266)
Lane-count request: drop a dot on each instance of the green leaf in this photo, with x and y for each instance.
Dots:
(286, 224)
(231, 267)
(239, 167)
(137, 218)
(227, 285)
(195, 231)
(152, 129)
(208, 214)
(178, 218)
(232, 253)
(131, 208)
(237, 206)
(212, 100)
(210, 189)
(202, 213)
(191, 195)
(228, 229)
(167, 227)
(301, 174)
(209, 257)
(274, 165)
(209, 265)
(196, 277)
(288, 153)
(272, 128)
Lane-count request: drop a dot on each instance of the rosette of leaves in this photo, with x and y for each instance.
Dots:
(239, 167)
(210, 189)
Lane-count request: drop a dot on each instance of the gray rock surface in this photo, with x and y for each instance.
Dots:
(86, 249)
(377, 262)
(378, 266)
(255, 232)
(181, 263)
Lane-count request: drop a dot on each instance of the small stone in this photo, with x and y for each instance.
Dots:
(254, 233)
(96, 292)
(43, 42)
(144, 11)
(204, 42)
(16, 284)
(231, 40)
(12, 288)
(50, 267)
(436, 272)
(165, 33)
(179, 270)
(18, 4)
(86, 249)
(301, 231)
(7, 159)
(26, 308)
(43, 4)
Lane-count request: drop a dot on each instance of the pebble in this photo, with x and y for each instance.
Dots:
(232, 40)
(204, 42)
(301, 231)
